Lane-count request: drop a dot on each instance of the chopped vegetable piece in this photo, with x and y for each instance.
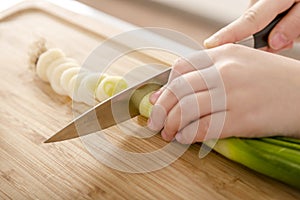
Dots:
(110, 86)
(87, 88)
(141, 92)
(45, 60)
(145, 106)
(56, 76)
(66, 78)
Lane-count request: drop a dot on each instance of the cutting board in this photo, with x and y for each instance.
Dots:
(31, 112)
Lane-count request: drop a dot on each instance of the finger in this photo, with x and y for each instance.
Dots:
(287, 30)
(194, 132)
(253, 20)
(187, 110)
(155, 95)
(208, 127)
(288, 46)
(196, 61)
(187, 84)
(182, 86)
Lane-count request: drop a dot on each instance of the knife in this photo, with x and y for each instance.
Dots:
(123, 101)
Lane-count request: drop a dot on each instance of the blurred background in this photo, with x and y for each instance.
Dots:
(196, 18)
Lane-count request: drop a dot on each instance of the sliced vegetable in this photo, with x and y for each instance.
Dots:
(56, 63)
(140, 93)
(56, 76)
(75, 83)
(45, 60)
(87, 88)
(145, 106)
(66, 78)
(109, 86)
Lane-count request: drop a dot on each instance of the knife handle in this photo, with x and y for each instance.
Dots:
(261, 37)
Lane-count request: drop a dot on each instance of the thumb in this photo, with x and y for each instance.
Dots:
(253, 20)
(287, 30)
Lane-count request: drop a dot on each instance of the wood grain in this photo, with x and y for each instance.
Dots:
(32, 112)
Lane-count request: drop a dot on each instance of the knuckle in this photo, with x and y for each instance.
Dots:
(180, 87)
(224, 52)
(204, 126)
(179, 64)
(231, 48)
(250, 17)
(230, 70)
(204, 129)
(172, 123)
(185, 101)
(176, 84)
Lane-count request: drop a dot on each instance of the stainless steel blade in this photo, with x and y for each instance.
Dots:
(103, 112)
(249, 42)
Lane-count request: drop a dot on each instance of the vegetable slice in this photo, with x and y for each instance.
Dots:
(145, 106)
(45, 60)
(87, 87)
(109, 86)
(66, 76)
(57, 63)
(56, 75)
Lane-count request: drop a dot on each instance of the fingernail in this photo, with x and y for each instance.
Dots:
(149, 122)
(178, 137)
(177, 61)
(153, 97)
(212, 41)
(163, 135)
(166, 137)
(157, 118)
(278, 41)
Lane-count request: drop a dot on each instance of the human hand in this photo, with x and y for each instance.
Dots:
(258, 16)
(262, 96)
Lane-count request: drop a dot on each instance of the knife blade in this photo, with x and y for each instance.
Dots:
(103, 112)
(85, 123)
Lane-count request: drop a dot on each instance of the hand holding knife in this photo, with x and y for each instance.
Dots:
(260, 39)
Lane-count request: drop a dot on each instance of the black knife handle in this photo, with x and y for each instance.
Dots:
(261, 37)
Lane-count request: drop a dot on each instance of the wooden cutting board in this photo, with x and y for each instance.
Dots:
(31, 112)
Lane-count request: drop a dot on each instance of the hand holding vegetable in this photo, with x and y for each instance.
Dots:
(256, 18)
(262, 96)
(262, 100)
